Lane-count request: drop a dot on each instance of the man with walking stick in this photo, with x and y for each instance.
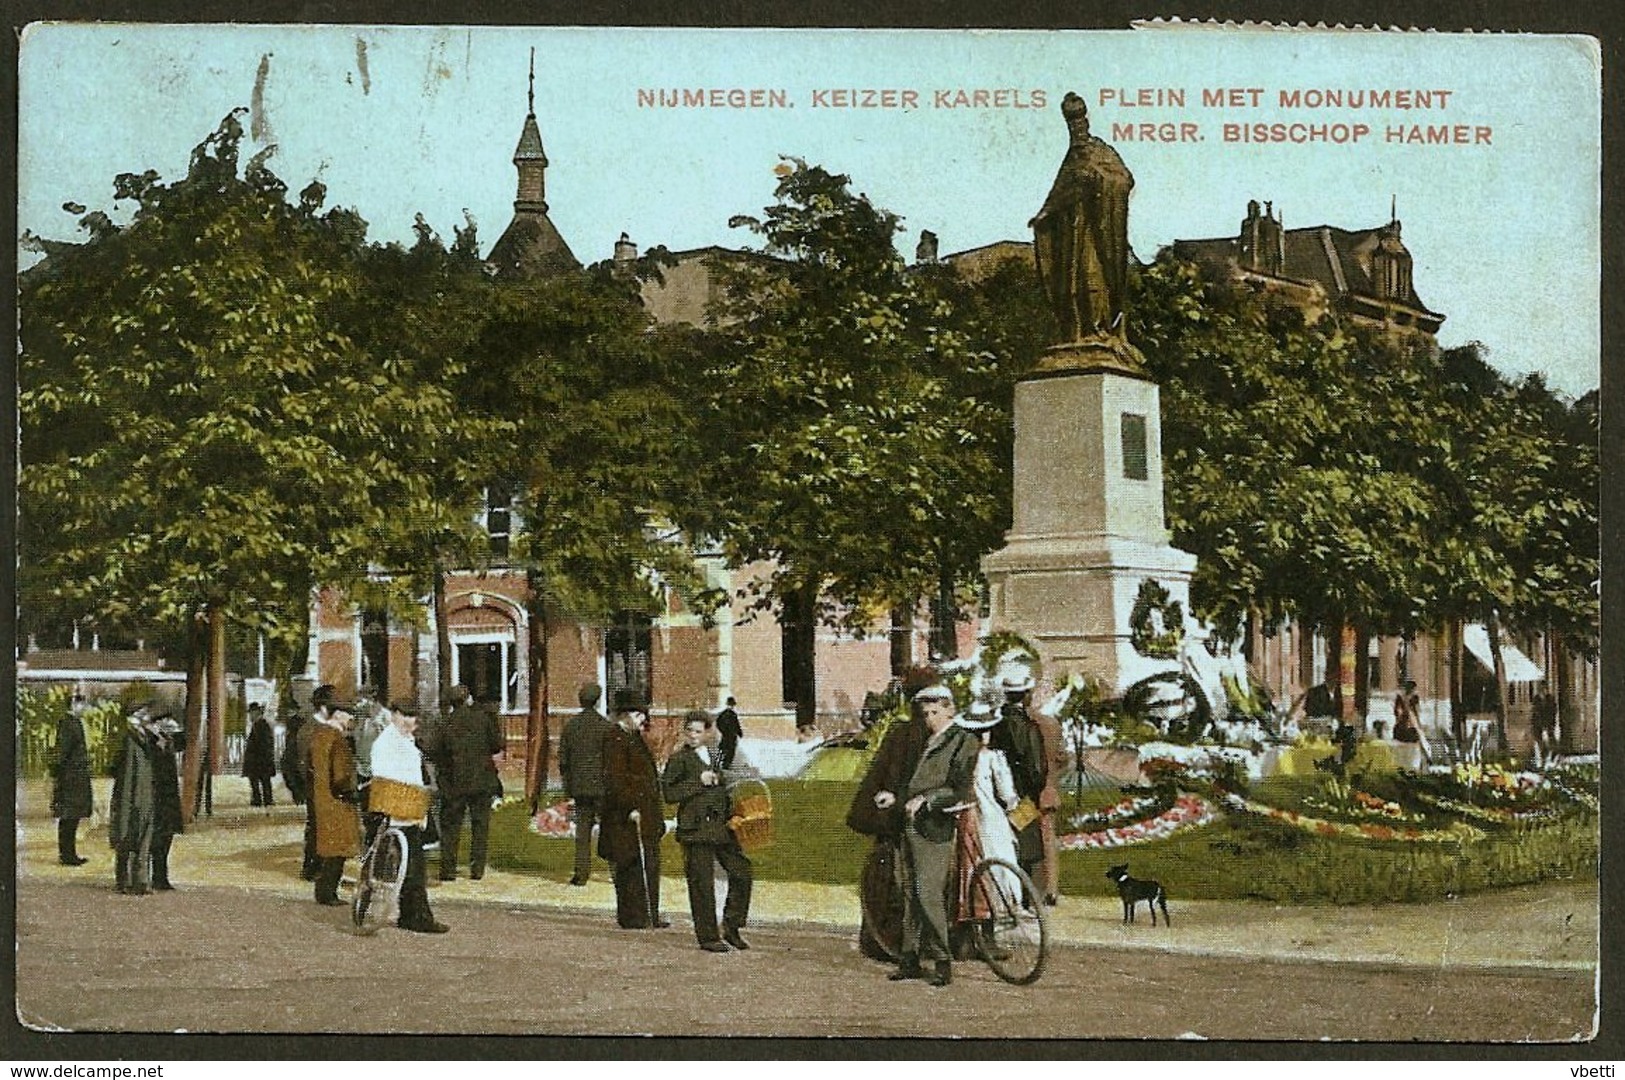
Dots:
(633, 823)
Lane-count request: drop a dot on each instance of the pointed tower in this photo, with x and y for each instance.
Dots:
(531, 244)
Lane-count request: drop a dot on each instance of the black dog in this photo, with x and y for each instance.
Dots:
(1133, 891)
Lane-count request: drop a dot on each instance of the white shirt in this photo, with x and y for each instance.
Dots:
(396, 757)
(705, 755)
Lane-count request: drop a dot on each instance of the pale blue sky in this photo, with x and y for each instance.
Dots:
(1505, 237)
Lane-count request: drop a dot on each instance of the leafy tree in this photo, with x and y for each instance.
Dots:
(865, 453)
(199, 440)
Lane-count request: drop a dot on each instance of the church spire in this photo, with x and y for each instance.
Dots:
(529, 157)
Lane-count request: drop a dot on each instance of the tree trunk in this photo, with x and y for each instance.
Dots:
(902, 638)
(1362, 674)
(538, 748)
(191, 760)
(217, 703)
(1453, 659)
(1334, 664)
(442, 634)
(945, 618)
(1494, 628)
(801, 615)
(1568, 705)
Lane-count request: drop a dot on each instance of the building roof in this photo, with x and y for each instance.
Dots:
(531, 246)
(1337, 259)
(530, 143)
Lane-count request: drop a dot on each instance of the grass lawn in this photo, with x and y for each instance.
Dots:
(1232, 858)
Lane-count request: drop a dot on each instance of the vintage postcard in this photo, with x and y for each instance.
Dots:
(809, 533)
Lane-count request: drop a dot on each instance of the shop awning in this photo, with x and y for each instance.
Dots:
(1519, 667)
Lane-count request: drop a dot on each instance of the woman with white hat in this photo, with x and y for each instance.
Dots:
(995, 797)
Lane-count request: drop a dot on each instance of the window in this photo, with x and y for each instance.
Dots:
(627, 646)
(1136, 464)
(498, 518)
(375, 653)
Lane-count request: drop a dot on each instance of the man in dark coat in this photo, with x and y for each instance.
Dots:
(877, 811)
(293, 774)
(581, 765)
(1023, 746)
(168, 739)
(131, 813)
(259, 757)
(694, 781)
(633, 822)
(70, 784)
(463, 746)
(731, 732)
(941, 786)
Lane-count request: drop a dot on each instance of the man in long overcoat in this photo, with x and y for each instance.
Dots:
(70, 785)
(293, 774)
(633, 823)
(694, 780)
(259, 757)
(333, 800)
(1057, 759)
(581, 766)
(132, 810)
(462, 749)
(940, 786)
(168, 739)
(321, 701)
(1023, 747)
(730, 731)
(877, 811)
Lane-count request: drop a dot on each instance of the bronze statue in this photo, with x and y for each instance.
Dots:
(1081, 234)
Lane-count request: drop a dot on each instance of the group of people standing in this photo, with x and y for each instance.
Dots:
(942, 793)
(145, 813)
(612, 778)
(336, 761)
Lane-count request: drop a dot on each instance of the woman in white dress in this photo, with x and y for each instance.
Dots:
(995, 798)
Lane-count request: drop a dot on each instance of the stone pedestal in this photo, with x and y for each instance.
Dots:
(1088, 526)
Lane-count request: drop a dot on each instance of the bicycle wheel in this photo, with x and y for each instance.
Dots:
(1013, 939)
(378, 883)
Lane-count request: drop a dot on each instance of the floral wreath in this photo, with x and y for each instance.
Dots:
(1146, 642)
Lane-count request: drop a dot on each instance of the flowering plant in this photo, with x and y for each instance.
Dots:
(1132, 809)
(555, 822)
(1187, 812)
(1456, 831)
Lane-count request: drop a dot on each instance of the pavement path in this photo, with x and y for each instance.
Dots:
(1552, 926)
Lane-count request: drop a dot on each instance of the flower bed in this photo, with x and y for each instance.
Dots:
(1490, 815)
(554, 822)
(1454, 832)
(1365, 807)
(1130, 810)
(1187, 812)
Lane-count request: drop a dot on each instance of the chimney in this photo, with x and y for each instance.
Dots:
(926, 250)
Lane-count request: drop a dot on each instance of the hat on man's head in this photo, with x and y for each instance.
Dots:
(625, 701)
(979, 717)
(934, 692)
(1017, 681)
(589, 694)
(256, 707)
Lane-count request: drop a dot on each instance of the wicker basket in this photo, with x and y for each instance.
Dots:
(407, 802)
(752, 820)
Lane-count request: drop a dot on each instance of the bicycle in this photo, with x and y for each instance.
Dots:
(378, 881)
(1009, 927)
(376, 898)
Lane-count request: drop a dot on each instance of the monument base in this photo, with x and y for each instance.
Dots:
(1105, 353)
(1074, 599)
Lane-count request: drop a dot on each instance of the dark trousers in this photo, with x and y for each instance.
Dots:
(698, 862)
(160, 859)
(451, 828)
(259, 791)
(312, 863)
(589, 809)
(415, 909)
(633, 902)
(67, 839)
(328, 873)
